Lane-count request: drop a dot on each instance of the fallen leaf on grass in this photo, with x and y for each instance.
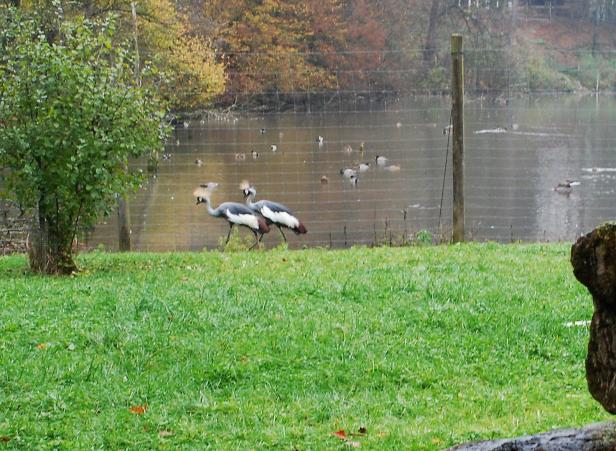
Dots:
(165, 433)
(138, 410)
(340, 434)
(42, 346)
(5, 439)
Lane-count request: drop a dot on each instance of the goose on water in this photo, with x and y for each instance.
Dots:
(363, 167)
(381, 160)
(348, 172)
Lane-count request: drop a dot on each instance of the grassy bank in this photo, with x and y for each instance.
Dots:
(424, 347)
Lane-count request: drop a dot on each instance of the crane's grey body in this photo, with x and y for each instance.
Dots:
(264, 205)
(238, 214)
(230, 208)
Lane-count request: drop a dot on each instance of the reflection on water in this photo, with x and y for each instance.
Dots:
(514, 155)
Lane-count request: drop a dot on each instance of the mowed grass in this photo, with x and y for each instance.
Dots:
(425, 347)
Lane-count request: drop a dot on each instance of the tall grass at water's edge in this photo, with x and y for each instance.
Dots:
(425, 347)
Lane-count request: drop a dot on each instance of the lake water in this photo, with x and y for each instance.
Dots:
(514, 156)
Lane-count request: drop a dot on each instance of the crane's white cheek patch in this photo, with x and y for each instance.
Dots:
(247, 220)
(280, 217)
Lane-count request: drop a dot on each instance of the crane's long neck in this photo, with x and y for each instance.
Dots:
(208, 204)
(250, 199)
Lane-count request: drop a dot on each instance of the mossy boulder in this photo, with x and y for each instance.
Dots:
(593, 257)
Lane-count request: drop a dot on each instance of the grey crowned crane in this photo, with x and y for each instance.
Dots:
(273, 212)
(235, 214)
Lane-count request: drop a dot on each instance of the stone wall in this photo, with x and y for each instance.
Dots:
(13, 229)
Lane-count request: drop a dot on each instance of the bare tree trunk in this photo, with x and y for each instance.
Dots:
(595, 29)
(429, 50)
(124, 241)
(50, 247)
(514, 20)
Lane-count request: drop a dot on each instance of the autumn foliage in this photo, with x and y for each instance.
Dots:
(269, 54)
(181, 64)
(284, 50)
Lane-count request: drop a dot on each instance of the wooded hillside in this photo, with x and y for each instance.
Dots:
(274, 53)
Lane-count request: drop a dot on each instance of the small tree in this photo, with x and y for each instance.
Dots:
(70, 119)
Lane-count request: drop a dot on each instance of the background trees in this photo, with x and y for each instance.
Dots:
(188, 74)
(273, 53)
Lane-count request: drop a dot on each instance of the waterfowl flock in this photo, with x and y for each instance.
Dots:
(332, 162)
(352, 172)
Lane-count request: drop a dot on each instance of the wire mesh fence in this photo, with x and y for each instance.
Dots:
(517, 152)
(521, 142)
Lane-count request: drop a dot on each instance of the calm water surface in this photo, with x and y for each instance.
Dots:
(514, 155)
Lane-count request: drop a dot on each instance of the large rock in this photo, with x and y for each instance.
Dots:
(594, 264)
(596, 437)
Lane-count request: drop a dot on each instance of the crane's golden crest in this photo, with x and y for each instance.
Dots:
(205, 189)
(244, 185)
(201, 191)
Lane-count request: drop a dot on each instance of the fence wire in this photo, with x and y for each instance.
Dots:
(521, 141)
(516, 153)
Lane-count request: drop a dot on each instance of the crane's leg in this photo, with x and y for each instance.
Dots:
(229, 234)
(256, 241)
(280, 228)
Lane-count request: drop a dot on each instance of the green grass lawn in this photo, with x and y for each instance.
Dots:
(425, 347)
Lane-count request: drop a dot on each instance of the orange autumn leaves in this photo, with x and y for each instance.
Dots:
(347, 438)
(275, 46)
(138, 409)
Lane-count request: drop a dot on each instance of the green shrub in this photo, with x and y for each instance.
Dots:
(71, 116)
